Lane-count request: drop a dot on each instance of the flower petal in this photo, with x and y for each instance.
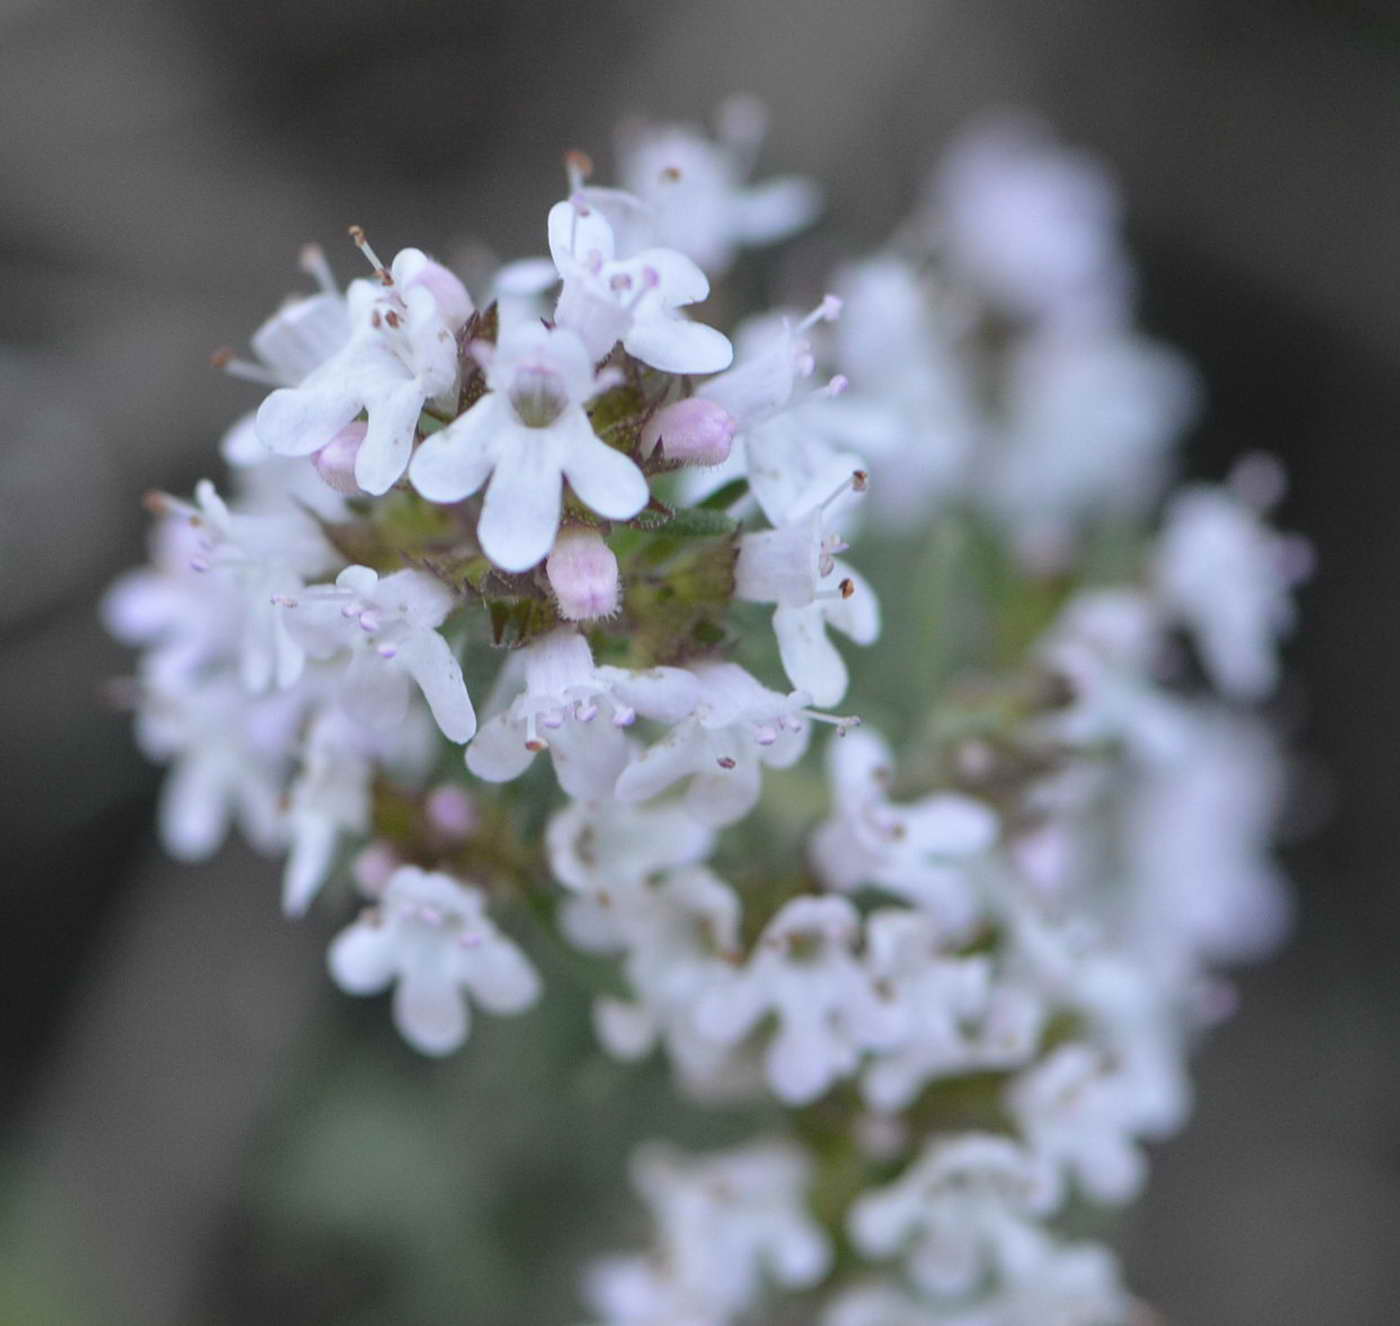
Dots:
(604, 479)
(680, 753)
(674, 345)
(455, 462)
(810, 660)
(362, 958)
(383, 455)
(295, 421)
(520, 515)
(430, 1011)
(500, 977)
(430, 662)
(498, 752)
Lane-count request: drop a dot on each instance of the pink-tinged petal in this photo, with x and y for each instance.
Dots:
(676, 756)
(604, 479)
(194, 807)
(500, 976)
(430, 1011)
(575, 234)
(776, 208)
(430, 662)
(455, 462)
(363, 958)
(810, 660)
(526, 276)
(308, 863)
(676, 346)
(295, 421)
(520, 515)
(680, 280)
(383, 455)
(498, 752)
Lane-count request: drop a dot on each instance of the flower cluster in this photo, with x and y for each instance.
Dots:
(969, 962)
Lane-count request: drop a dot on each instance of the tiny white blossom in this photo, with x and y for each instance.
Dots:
(576, 711)
(431, 938)
(736, 726)
(402, 355)
(384, 632)
(522, 439)
(804, 971)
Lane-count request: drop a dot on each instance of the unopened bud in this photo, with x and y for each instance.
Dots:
(582, 573)
(335, 462)
(452, 298)
(693, 431)
(452, 812)
(373, 866)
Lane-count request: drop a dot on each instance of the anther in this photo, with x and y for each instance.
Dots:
(578, 166)
(827, 311)
(726, 762)
(225, 359)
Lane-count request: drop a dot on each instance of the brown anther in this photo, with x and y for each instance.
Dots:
(847, 587)
(156, 502)
(671, 174)
(860, 481)
(392, 318)
(725, 762)
(578, 163)
(375, 320)
(535, 745)
(222, 357)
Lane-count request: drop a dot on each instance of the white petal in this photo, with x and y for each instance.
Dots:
(373, 691)
(724, 796)
(665, 694)
(681, 280)
(383, 455)
(308, 862)
(431, 663)
(627, 1031)
(776, 208)
(498, 752)
(500, 976)
(455, 462)
(194, 807)
(520, 515)
(857, 616)
(430, 1011)
(950, 825)
(729, 1009)
(526, 276)
(362, 958)
(574, 234)
(604, 479)
(810, 660)
(674, 345)
(295, 421)
(680, 753)
(800, 1062)
(588, 757)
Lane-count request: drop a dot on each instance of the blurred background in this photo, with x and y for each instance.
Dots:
(196, 1127)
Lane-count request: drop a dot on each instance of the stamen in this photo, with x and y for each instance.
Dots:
(857, 483)
(670, 175)
(624, 715)
(827, 311)
(578, 166)
(312, 260)
(225, 359)
(533, 741)
(363, 244)
(842, 723)
(834, 388)
(726, 762)
(766, 734)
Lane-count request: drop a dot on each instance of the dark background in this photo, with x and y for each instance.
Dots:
(178, 1145)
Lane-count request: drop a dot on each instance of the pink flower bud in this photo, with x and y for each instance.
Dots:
(583, 575)
(693, 431)
(373, 866)
(451, 295)
(452, 812)
(335, 462)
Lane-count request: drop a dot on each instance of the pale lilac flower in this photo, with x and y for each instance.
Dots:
(734, 728)
(582, 572)
(694, 188)
(804, 972)
(1229, 577)
(920, 850)
(794, 565)
(402, 355)
(527, 435)
(634, 299)
(727, 1224)
(576, 711)
(430, 937)
(966, 1209)
(384, 632)
(693, 431)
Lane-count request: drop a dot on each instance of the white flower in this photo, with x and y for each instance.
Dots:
(795, 566)
(736, 726)
(726, 1224)
(229, 754)
(1078, 1114)
(604, 850)
(694, 191)
(431, 938)
(918, 851)
(527, 435)
(1071, 1284)
(804, 971)
(402, 354)
(635, 300)
(1228, 576)
(385, 630)
(577, 712)
(1031, 225)
(947, 1015)
(969, 1206)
